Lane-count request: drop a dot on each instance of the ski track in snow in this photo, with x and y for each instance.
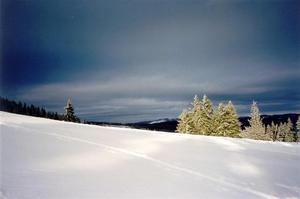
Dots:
(31, 125)
(157, 161)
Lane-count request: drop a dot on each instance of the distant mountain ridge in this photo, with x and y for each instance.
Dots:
(169, 125)
(163, 124)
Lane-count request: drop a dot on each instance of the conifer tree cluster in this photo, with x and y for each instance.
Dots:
(201, 118)
(24, 109)
(284, 131)
(275, 132)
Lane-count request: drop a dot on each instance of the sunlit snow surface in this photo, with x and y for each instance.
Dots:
(43, 158)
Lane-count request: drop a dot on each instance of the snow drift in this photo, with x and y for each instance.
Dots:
(42, 158)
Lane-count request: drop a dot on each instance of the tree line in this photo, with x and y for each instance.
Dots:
(200, 118)
(18, 107)
(283, 131)
(203, 119)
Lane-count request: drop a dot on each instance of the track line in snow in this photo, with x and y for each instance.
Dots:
(157, 161)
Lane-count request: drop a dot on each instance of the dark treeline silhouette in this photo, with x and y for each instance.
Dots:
(24, 109)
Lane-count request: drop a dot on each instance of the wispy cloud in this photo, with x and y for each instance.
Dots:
(146, 59)
(152, 96)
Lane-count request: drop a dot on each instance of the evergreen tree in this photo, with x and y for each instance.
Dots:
(14, 107)
(289, 137)
(220, 121)
(20, 108)
(272, 131)
(256, 130)
(43, 112)
(205, 117)
(69, 112)
(201, 119)
(289, 125)
(298, 129)
(282, 129)
(289, 134)
(50, 115)
(187, 119)
(31, 110)
(281, 132)
(194, 125)
(56, 116)
(227, 121)
(38, 112)
(184, 122)
(24, 109)
(298, 124)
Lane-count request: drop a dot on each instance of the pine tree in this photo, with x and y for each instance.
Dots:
(256, 121)
(227, 121)
(298, 124)
(285, 132)
(298, 129)
(24, 109)
(289, 137)
(187, 119)
(38, 112)
(56, 117)
(43, 112)
(184, 122)
(272, 131)
(282, 129)
(31, 110)
(201, 119)
(205, 117)
(289, 125)
(194, 125)
(69, 112)
(256, 130)
(220, 121)
(289, 134)
(20, 108)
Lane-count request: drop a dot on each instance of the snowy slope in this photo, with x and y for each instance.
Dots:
(42, 158)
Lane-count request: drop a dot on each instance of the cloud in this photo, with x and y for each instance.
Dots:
(147, 86)
(134, 98)
(146, 59)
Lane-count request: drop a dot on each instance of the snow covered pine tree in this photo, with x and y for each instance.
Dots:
(202, 119)
(69, 112)
(227, 121)
(256, 130)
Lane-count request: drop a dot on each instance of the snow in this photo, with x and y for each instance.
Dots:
(158, 121)
(42, 158)
(162, 120)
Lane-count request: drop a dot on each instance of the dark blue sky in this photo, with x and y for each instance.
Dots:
(139, 60)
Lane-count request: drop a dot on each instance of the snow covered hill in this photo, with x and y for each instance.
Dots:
(43, 158)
